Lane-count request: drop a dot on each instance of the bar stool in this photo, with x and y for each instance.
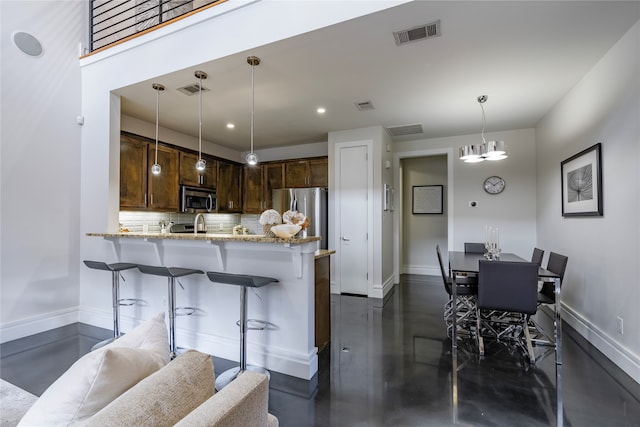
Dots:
(171, 273)
(244, 281)
(115, 270)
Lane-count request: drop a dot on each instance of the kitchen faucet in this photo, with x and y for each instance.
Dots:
(196, 227)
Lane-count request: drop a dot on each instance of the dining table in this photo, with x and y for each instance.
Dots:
(463, 264)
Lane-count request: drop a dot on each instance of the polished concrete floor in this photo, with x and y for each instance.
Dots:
(390, 364)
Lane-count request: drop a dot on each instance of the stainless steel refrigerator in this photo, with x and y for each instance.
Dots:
(310, 201)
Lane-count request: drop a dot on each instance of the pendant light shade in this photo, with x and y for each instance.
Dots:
(201, 164)
(156, 169)
(252, 158)
(491, 150)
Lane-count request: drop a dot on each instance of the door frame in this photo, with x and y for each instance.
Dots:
(336, 287)
(397, 219)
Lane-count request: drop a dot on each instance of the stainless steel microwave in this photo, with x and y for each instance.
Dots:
(194, 199)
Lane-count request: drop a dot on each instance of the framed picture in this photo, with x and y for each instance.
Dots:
(427, 199)
(582, 183)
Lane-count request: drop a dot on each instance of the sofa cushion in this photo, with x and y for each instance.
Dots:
(90, 384)
(165, 397)
(243, 402)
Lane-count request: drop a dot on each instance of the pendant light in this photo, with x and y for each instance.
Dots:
(492, 150)
(156, 169)
(252, 158)
(201, 164)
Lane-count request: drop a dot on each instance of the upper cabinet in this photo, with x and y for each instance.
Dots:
(164, 189)
(190, 176)
(307, 173)
(229, 187)
(133, 173)
(139, 188)
(258, 183)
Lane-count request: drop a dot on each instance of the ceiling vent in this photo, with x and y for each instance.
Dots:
(421, 32)
(191, 89)
(365, 106)
(405, 130)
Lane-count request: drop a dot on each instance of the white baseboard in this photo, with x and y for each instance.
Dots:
(34, 325)
(619, 355)
(424, 270)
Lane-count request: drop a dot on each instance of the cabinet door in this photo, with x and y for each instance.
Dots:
(164, 188)
(273, 178)
(133, 173)
(189, 175)
(296, 173)
(229, 187)
(253, 200)
(318, 173)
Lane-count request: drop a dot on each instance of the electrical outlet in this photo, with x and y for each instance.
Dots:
(164, 303)
(221, 227)
(620, 325)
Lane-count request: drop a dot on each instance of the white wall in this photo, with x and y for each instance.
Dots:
(602, 281)
(421, 233)
(513, 211)
(40, 167)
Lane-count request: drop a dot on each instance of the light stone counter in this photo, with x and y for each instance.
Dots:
(256, 238)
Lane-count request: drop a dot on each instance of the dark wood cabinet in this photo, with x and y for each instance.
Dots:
(190, 176)
(133, 173)
(322, 303)
(258, 183)
(139, 188)
(307, 173)
(164, 188)
(229, 187)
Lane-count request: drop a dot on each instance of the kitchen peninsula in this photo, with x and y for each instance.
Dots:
(287, 345)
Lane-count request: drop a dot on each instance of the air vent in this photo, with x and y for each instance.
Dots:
(365, 106)
(405, 130)
(421, 32)
(191, 89)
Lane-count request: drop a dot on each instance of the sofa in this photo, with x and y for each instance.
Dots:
(131, 382)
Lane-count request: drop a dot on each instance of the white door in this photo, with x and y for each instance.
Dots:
(353, 206)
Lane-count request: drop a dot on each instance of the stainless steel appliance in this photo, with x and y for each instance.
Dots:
(310, 201)
(194, 200)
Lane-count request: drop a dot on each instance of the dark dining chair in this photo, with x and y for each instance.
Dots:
(537, 256)
(557, 264)
(508, 287)
(466, 290)
(474, 248)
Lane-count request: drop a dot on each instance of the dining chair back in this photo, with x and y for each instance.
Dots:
(466, 289)
(474, 248)
(557, 264)
(508, 286)
(537, 256)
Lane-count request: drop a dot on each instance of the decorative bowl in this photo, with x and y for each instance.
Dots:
(285, 231)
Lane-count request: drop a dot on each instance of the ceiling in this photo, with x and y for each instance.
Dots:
(525, 56)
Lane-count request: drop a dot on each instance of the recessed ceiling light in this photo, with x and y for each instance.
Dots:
(230, 125)
(321, 110)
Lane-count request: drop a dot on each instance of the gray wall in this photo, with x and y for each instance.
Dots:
(602, 279)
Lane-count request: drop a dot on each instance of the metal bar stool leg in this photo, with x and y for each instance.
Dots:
(115, 285)
(172, 316)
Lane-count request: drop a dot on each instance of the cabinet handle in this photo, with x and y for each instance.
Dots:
(151, 199)
(145, 198)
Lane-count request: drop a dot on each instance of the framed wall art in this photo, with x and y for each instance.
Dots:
(582, 183)
(427, 199)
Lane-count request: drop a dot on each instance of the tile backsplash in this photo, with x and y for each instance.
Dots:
(135, 221)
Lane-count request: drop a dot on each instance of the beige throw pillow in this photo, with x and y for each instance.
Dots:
(164, 398)
(102, 375)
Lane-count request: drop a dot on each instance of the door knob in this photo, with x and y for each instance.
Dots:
(344, 239)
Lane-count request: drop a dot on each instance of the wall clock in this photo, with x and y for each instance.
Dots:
(494, 185)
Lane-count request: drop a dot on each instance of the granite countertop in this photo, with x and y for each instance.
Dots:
(254, 238)
(321, 253)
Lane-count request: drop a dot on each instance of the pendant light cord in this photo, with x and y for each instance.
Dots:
(200, 118)
(252, 105)
(484, 120)
(157, 116)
